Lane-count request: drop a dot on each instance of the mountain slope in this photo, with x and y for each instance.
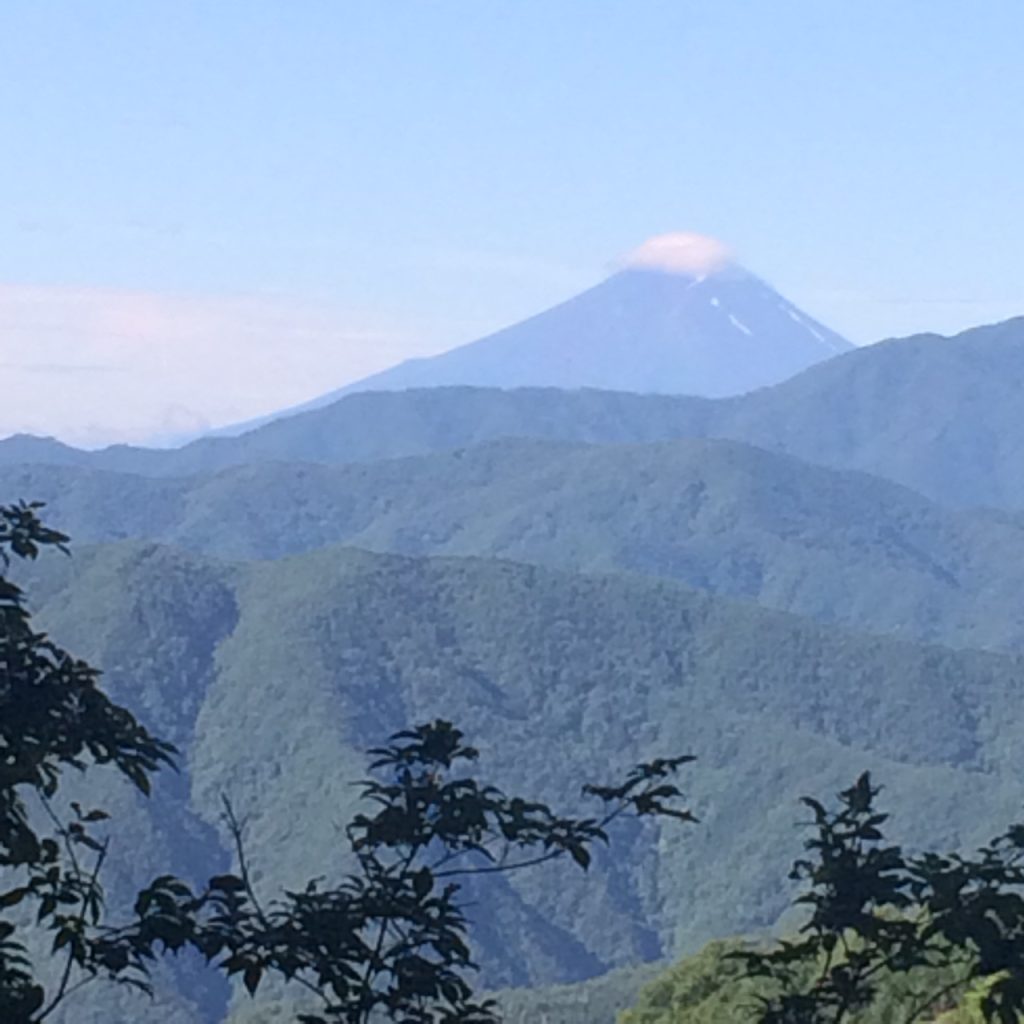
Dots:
(681, 317)
(941, 415)
(717, 515)
(713, 335)
(291, 668)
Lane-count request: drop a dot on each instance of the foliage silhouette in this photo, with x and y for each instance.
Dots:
(53, 716)
(390, 938)
(953, 923)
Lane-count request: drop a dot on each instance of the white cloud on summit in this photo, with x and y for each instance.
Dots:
(94, 366)
(680, 252)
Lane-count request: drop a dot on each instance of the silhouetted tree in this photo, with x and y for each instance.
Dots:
(874, 912)
(53, 717)
(389, 939)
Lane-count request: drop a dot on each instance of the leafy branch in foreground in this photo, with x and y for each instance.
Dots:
(53, 717)
(950, 924)
(392, 937)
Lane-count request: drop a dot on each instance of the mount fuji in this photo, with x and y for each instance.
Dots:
(680, 316)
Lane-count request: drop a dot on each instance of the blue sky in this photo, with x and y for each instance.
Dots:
(215, 209)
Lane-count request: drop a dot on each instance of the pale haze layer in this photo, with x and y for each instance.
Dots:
(678, 316)
(243, 206)
(147, 367)
(97, 366)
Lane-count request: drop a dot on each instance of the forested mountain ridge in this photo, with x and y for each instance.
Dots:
(373, 425)
(839, 547)
(940, 415)
(274, 676)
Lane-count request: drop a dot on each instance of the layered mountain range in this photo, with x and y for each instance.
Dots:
(724, 517)
(938, 414)
(812, 574)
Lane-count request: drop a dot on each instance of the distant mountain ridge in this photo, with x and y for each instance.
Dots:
(840, 547)
(939, 415)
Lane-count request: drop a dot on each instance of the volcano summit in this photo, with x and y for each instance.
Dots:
(679, 317)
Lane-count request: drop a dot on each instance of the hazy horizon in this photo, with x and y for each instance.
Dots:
(292, 198)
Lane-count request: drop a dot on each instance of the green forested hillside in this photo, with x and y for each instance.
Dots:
(273, 677)
(595, 1001)
(710, 988)
(840, 547)
(941, 415)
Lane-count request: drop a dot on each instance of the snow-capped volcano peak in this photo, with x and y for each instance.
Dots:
(680, 252)
(679, 316)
